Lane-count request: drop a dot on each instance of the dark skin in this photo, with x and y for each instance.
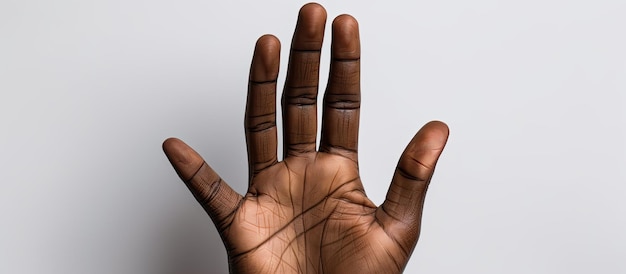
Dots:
(309, 213)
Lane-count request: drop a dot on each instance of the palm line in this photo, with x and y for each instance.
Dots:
(288, 224)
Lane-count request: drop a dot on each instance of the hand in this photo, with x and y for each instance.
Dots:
(309, 213)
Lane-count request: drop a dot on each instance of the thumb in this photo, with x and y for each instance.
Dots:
(217, 198)
(401, 212)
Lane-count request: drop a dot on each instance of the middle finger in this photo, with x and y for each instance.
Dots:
(299, 100)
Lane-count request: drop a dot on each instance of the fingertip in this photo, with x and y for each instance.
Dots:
(269, 43)
(346, 20)
(437, 128)
(346, 44)
(183, 158)
(423, 151)
(168, 143)
(309, 33)
(177, 151)
(266, 59)
(312, 8)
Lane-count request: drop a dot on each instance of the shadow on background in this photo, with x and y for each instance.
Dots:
(190, 244)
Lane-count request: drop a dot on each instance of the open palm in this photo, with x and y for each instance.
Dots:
(309, 213)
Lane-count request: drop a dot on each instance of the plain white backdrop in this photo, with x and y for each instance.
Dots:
(533, 178)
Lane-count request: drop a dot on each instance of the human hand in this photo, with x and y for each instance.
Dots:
(309, 213)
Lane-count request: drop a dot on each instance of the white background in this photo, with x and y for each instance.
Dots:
(533, 178)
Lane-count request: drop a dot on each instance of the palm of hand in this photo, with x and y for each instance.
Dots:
(309, 213)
